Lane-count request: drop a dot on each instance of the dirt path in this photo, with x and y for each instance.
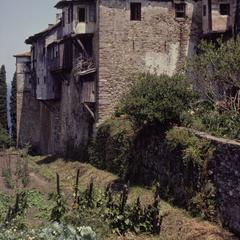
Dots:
(39, 183)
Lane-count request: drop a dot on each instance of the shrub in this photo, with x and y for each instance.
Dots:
(156, 100)
(4, 139)
(222, 124)
(110, 149)
(215, 69)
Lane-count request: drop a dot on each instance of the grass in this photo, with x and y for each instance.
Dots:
(177, 225)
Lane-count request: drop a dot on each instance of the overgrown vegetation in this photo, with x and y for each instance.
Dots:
(109, 207)
(54, 231)
(156, 100)
(153, 151)
(3, 99)
(222, 123)
(4, 139)
(15, 171)
(112, 145)
(13, 110)
(214, 70)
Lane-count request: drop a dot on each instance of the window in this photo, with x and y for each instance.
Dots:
(204, 10)
(136, 11)
(44, 80)
(180, 9)
(82, 15)
(225, 9)
(38, 81)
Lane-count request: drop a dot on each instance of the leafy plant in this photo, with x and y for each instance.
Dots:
(60, 208)
(110, 149)
(156, 100)
(54, 231)
(214, 70)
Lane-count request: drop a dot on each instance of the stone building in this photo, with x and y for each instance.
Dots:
(220, 18)
(79, 67)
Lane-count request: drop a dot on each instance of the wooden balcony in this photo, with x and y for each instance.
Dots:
(60, 56)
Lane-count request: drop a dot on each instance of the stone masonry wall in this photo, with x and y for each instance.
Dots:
(27, 107)
(159, 43)
(211, 189)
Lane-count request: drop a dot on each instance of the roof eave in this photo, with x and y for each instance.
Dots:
(33, 38)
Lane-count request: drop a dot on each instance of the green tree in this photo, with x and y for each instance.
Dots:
(156, 100)
(3, 98)
(4, 139)
(13, 109)
(215, 69)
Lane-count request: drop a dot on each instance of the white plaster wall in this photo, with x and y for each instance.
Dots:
(162, 62)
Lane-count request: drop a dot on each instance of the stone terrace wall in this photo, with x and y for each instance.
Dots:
(159, 43)
(224, 169)
(211, 188)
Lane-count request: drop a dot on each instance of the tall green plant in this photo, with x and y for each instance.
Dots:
(156, 100)
(215, 69)
(4, 139)
(13, 109)
(3, 98)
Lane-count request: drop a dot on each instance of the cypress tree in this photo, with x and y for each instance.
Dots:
(13, 107)
(3, 98)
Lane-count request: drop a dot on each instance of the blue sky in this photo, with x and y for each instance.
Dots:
(18, 20)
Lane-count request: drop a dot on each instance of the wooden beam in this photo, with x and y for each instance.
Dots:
(89, 110)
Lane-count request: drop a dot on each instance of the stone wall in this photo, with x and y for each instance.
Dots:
(158, 43)
(27, 106)
(196, 171)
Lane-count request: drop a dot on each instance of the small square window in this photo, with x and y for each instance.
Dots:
(136, 11)
(82, 15)
(225, 9)
(180, 9)
(204, 10)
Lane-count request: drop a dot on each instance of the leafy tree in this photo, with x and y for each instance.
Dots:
(3, 98)
(156, 100)
(215, 70)
(4, 139)
(13, 105)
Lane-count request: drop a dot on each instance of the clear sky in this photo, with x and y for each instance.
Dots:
(18, 20)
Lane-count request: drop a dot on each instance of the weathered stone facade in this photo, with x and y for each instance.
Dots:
(158, 43)
(73, 103)
(28, 131)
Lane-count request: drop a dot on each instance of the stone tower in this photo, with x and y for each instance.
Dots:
(27, 105)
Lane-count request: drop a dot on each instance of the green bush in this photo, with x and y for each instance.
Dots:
(195, 155)
(4, 138)
(223, 124)
(156, 100)
(110, 149)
